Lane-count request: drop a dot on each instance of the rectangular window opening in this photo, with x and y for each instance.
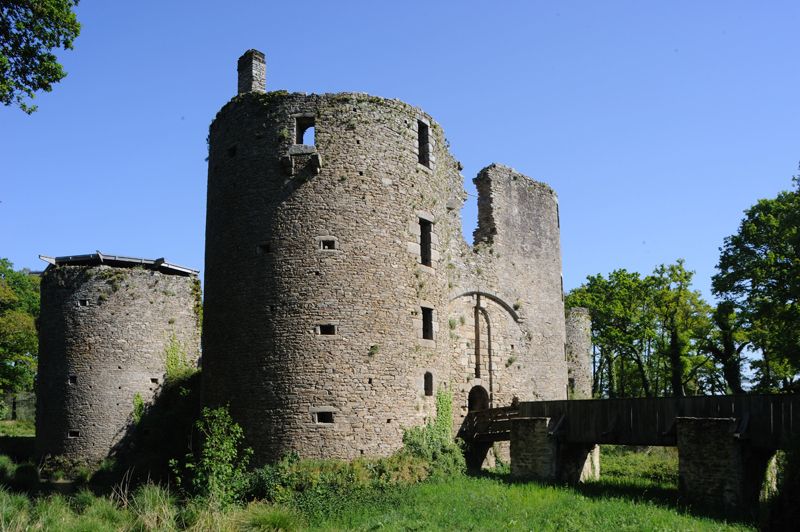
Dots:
(73, 379)
(73, 434)
(83, 302)
(427, 323)
(425, 227)
(154, 380)
(327, 329)
(423, 146)
(428, 384)
(323, 417)
(305, 131)
(327, 244)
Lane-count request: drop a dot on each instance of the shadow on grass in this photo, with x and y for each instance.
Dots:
(635, 489)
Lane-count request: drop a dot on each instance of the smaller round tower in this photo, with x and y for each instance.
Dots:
(107, 327)
(579, 353)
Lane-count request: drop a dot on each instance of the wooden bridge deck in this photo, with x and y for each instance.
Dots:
(767, 421)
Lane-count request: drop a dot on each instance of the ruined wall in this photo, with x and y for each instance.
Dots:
(103, 335)
(515, 267)
(579, 352)
(317, 279)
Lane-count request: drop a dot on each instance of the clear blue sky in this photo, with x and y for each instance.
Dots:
(657, 123)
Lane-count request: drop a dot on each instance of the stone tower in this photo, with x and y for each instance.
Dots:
(579, 352)
(340, 294)
(105, 326)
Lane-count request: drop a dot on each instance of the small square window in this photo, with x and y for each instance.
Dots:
(73, 434)
(73, 379)
(154, 380)
(323, 417)
(83, 302)
(327, 329)
(327, 244)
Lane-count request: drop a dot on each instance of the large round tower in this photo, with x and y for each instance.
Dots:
(106, 328)
(333, 259)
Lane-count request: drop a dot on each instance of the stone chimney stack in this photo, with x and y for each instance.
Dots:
(252, 72)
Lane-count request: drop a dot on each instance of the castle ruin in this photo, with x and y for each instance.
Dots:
(105, 328)
(340, 293)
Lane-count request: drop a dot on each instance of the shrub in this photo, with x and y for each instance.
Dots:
(219, 473)
(7, 469)
(434, 442)
(138, 408)
(177, 365)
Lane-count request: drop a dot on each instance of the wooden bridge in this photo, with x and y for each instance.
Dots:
(725, 443)
(766, 421)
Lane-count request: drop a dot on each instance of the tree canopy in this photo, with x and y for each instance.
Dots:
(29, 31)
(759, 275)
(19, 344)
(649, 334)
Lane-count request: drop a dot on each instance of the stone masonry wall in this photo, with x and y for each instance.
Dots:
(103, 337)
(710, 467)
(316, 290)
(579, 352)
(533, 451)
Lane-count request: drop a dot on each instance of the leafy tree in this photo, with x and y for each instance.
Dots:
(29, 31)
(623, 332)
(726, 342)
(647, 333)
(683, 320)
(19, 344)
(759, 273)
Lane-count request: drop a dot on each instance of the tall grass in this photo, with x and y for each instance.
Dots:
(384, 494)
(17, 427)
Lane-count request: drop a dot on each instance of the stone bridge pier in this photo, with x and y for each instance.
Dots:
(717, 466)
(538, 453)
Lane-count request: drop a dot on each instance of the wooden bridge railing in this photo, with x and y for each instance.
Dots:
(493, 424)
(767, 421)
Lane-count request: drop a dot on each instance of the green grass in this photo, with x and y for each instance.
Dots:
(637, 492)
(485, 503)
(17, 428)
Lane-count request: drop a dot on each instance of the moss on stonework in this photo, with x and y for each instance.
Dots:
(114, 277)
(197, 296)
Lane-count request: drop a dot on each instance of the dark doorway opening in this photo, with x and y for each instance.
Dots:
(478, 399)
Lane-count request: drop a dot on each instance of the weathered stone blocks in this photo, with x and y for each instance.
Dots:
(408, 296)
(104, 332)
(717, 468)
(537, 453)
